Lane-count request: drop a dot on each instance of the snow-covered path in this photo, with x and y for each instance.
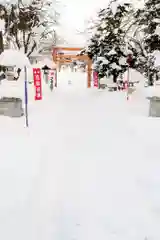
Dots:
(95, 171)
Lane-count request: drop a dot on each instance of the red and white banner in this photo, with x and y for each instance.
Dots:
(37, 83)
(53, 77)
(95, 79)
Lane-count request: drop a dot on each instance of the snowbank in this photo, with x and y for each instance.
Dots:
(11, 57)
(153, 91)
(134, 76)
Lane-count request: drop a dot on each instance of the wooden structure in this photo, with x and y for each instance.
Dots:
(60, 58)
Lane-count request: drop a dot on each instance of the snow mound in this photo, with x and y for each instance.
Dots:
(153, 91)
(134, 76)
(11, 57)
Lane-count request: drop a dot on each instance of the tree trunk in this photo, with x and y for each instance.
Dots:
(114, 78)
(1, 43)
(150, 80)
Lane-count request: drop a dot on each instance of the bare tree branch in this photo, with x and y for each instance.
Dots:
(32, 49)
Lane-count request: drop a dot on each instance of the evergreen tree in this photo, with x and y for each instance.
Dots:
(147, 23)
(107, 46)
(150, 21)
(121, 30)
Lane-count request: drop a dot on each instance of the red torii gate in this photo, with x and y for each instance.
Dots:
(65, 58)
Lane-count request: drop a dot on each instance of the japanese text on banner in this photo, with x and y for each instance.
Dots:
(37, 83)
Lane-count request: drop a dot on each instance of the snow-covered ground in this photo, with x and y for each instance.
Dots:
(87, 167)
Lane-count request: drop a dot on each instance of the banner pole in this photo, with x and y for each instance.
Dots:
(26, 97)
(128, 85)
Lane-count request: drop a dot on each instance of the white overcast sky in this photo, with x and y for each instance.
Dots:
(75, 14)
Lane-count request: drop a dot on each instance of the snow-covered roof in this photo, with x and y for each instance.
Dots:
(70, 46)
(70, 52)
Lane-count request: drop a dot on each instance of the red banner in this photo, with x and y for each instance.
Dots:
(37, 83)
(95, 79)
